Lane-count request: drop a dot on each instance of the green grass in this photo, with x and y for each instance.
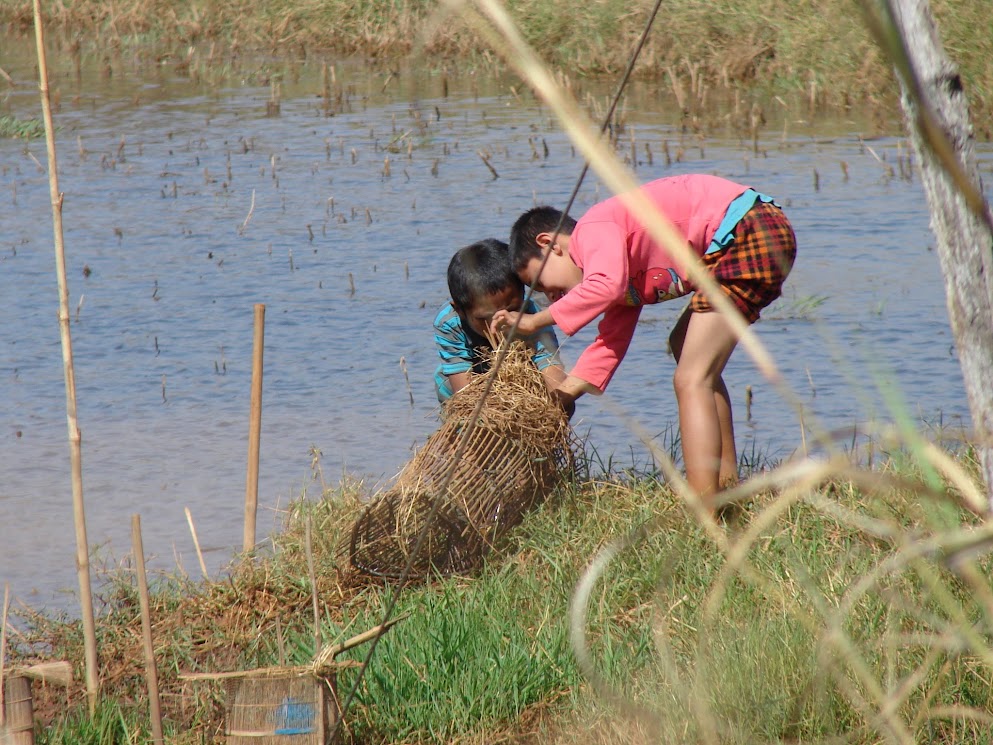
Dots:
(455, 666)
(813, 613)
(24, 129)
(479, 655)
(108, 726)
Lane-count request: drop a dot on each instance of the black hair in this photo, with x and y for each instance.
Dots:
(524, 235)
(479, 269)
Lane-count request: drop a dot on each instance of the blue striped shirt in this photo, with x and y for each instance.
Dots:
(460, 348)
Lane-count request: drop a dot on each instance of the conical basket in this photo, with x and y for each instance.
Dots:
(486, 474)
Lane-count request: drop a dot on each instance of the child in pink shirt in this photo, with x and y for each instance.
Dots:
(606, 263)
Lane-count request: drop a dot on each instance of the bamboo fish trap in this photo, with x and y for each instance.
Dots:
(17, 720)
(517, 452)
(287, 705)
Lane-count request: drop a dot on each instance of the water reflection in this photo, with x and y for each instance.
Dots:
(185, 206)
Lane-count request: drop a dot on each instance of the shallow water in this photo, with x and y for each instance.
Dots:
(186, 204)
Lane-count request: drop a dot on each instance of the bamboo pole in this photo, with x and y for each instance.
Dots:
(151, 673)
(254, 431)
(75, 449)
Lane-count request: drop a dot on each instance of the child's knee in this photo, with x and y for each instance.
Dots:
(685, 380)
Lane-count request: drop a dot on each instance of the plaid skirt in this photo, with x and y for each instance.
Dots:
(752, 269)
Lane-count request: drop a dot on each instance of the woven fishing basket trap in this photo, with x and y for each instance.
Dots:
(485, 470)
(279, 708)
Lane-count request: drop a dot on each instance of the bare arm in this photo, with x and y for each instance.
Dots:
(569, 390)
(503, 320)
(459, 380)
(554, 376)
(576, 387)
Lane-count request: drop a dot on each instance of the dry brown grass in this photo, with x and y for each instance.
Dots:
(819, 51)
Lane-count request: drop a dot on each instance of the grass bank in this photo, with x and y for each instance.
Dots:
(838, 609)
(818, 49)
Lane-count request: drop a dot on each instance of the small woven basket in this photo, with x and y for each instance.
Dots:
(515, 453)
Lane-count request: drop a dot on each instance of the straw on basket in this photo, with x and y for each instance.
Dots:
(55, 672)
(516, 452)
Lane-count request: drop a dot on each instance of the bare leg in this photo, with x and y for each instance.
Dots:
(728, 475)
(702, 344)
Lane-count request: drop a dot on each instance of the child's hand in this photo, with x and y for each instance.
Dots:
(503, 321)
(566, 401)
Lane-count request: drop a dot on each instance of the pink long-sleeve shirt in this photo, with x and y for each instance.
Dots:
(624, 269)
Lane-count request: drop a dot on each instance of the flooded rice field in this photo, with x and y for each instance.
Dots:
(187, 203)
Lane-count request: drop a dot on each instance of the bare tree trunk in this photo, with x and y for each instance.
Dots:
(935, 103)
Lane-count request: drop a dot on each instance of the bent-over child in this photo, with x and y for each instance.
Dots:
(607, 263)
(482, 283)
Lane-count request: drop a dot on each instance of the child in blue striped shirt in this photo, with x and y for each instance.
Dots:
(481, 283)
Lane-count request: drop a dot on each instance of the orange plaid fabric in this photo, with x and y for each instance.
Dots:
(752, 269)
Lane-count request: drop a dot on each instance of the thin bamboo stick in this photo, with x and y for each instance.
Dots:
(321, 664)
(254, 431)
(3, 649)
(196, 543)
(75, 449)
(151, 673)
(313, 588)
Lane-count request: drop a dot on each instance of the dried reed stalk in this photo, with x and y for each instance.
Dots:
(196, 543)
(151, 671)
